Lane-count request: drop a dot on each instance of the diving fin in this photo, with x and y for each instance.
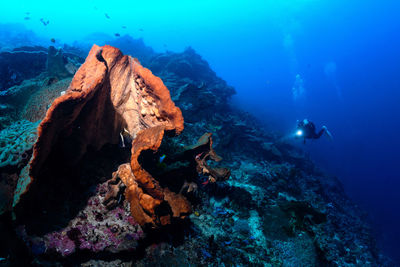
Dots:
(327, 133)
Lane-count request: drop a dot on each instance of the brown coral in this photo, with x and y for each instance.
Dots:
(113, 196)
(203, 150)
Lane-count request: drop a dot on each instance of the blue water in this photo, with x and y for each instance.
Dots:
(345, 55)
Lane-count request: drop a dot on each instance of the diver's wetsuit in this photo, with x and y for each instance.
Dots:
(308, 129)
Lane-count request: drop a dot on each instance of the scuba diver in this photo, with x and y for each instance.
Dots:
(306, 129)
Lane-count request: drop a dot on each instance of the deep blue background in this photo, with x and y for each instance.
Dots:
(365, 121)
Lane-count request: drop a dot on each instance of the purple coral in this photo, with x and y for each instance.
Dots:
(60, 242)
(96, 229)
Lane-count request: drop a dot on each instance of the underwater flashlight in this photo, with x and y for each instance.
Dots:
(299, 133)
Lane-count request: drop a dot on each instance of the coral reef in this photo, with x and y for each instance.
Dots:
(19, 65)
(96, 228)
(29, 97)
(60, 66)
(113, 183)
(194, 86)
(15, 141)
(28, 62)
(93, 113)
(36, 106)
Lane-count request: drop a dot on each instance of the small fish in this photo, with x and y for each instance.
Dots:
(2, 259)
(140, 29)
(27, 13)
(27, 18)
(107, 16)
(117, 34)
(162, 158)
(123, 27)
(228, 242)
(45, 23)
(53, 40)
(205, 183)
(122, 143)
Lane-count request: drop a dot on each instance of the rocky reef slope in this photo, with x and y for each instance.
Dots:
(111, 183)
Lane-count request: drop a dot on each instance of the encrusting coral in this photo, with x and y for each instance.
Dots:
(113, 196)
(15, 141)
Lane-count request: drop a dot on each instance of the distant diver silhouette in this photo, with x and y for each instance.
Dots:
(306, 129)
